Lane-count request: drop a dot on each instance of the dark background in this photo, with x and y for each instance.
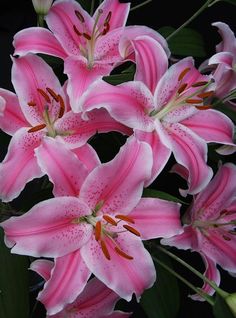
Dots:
(156, 14)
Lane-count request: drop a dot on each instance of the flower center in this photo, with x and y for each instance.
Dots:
(186, 95)
(228, 226)
(49, 97)
(107, 229)
(87, 50)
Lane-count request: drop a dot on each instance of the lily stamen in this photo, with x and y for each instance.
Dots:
(131, 230)
(36, 128)
(45, 95)
(125, 218)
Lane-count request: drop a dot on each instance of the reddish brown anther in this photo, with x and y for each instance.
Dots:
(198, 84)
(31, 104)
(125, 218)
(86, 36)
(182, 88)
(53, 94)
(205, 94)
(193, 101)
(44, 94)
(98, 230)
(36, 128)
(79, 16)
(203, 107)
(183, 73)
(105, 250)
(122, 253)
(77, 31)
(131, 230)
(109, 220)
(62, 106)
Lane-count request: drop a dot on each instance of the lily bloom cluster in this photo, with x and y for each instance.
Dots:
(97, 220)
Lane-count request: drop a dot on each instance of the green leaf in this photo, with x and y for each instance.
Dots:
(221, 309)
(186, 42)
(162, 300)
(161, 195)
(14, 285)
(119, 78)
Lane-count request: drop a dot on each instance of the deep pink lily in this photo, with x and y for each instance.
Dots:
(89, 45)
(96, 298)
(209, 225)
(104, 225)
(225, 60)
(39, 113)
(167, 109)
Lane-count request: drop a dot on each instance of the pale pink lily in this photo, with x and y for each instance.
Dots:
(88, 45)
(103, 226)
(166, 108)
(95, 300)
(209, 225)
(37, 112)
(224, 61)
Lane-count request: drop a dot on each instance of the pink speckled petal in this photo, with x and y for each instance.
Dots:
(212, 126)
(169, 84)
(13, 118)
(228, 43)
(133, 31)
(128, 103)
(49, 229)
(75, 131)
(123, 276)
(224, 58)
(68, 279)
(160, 152)
(191, 152)
(156, 218)
(37, 74)
(88, 156)
(183, 241)
(61, 20)
(96, 300)
(211, 273)
(218, 195)
(43, 267)
(20, 165)
(64, 169)
(151, 61)
(118, 184)
(81, 77)
(37, 40)
(119, 13)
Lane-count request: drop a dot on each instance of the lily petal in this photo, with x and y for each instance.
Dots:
(43, 267)
(117, 185)
(119, 13)
(75, 131)
(161, 153)
(68, 279)
(191, 152)
(123, 276)
(62, 166)
(37, 74)
(151, 61)
(20, 165)
(49, 229)
(61, 20)
(128, 103)
(88, 156)
(182, 241)
(13, 118)
(156, 218)
(37, 40)
(212, 126)
(228, 38)
(81, 76)
(211, 273)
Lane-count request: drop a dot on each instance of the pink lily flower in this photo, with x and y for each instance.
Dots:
(167, 109)
(96, 298)
(39, 111)
(225, 61)
(209, 225)
(89, 45)
(103, 227)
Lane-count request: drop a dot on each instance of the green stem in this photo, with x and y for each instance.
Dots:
(40, 20)
(206, 4)
(92, 7)
(140, 5)
(193, 270)
(183, 280)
